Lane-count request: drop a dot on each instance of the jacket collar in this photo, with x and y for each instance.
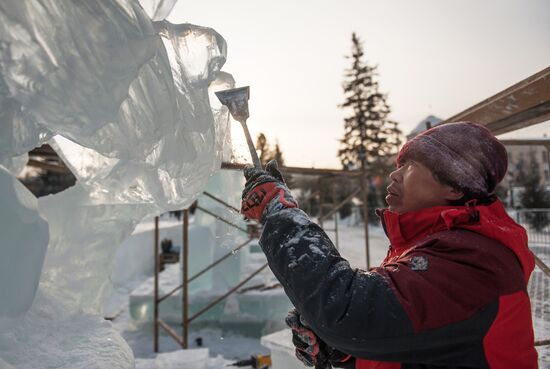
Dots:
(405, 230)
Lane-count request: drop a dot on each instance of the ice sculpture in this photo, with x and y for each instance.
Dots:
(15, 164)
(50, 336)
(23, 240)
(127, 101)
(62, 56)
(186, 154)
(157, 10)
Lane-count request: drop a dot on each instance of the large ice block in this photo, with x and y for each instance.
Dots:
(70, 63)
(23, 243)
(84, 236)
(262, 308)
(282, 350)
(15, 164)
(157, 10)
(49, 336)
(19, 132)
(227, 186)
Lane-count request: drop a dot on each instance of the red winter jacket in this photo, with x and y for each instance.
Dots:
(451, 292)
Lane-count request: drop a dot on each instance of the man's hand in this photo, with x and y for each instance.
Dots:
(265, 189)
(310, 349)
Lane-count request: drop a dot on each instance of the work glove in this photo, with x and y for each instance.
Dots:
(265, 192)
(310, 349)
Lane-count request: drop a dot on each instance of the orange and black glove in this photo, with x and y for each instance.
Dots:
(265, 192)
(311, 350)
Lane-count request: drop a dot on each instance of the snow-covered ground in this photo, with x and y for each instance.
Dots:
(539, 291)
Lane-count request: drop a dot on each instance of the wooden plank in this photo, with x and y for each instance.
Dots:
(299, 170)
(50, 167)
(526, 142)
(524, 104)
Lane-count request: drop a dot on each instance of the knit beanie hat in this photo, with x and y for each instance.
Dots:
(463, 155)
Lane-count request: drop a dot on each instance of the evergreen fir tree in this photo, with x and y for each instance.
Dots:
(370, 137)
(535, 196)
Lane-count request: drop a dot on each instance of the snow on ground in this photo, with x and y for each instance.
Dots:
(539, 291)
(351, 242)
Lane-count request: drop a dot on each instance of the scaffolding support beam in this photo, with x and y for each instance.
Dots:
(522, 105)
(156, 295)
(342, 203)
(185, 275)
(298, 170)
(224, 296)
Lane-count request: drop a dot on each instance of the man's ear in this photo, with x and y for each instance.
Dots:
(453, 194)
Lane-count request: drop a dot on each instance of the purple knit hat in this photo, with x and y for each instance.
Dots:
(464, 155)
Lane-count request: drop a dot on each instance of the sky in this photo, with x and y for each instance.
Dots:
(433, 56)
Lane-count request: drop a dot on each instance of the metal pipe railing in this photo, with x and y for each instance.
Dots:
(198, 274)
(171, 332)
(334, 198)
(185, 274)
(156, 294)
(342, 203)
(232, 252)
(221, 202)
(183, 341)
(364, 187)
(545, 269)
(221, 219)
(221, 298)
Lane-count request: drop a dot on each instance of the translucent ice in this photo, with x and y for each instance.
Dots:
(157, 10)
(23, 243)
(49, 336)
(122, 181)
(84, 236)
(59, 59)
(128, 103)
(15, 164)
(19, 133)
(165, 144)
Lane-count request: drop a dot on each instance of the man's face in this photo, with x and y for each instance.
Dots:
(413, 187)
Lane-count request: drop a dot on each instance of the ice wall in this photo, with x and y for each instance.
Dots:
(226, 185)
(23, 240)
(125, 102)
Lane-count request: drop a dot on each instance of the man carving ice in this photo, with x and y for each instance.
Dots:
(451, 292)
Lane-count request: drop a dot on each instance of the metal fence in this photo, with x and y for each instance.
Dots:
(537, 224)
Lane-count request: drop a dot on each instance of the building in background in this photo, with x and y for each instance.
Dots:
(519, 160)
(425, 124)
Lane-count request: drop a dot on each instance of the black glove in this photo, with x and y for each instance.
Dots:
(265, 192)
(310, 349)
